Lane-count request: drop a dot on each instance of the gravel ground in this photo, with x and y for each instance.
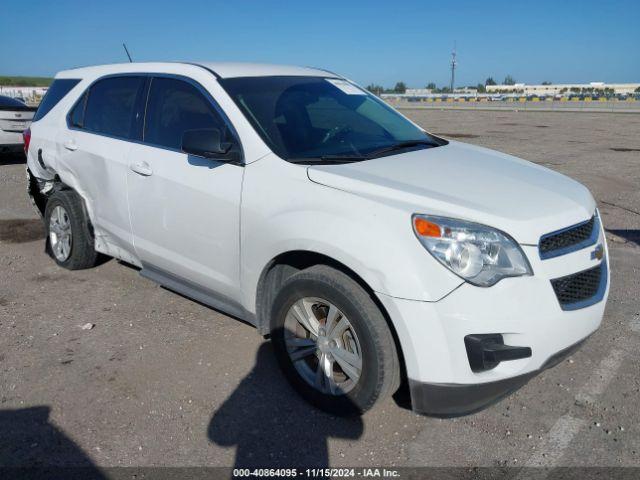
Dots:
(164, 381)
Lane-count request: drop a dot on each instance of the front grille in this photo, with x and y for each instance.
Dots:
(569, 239)
(581, 289)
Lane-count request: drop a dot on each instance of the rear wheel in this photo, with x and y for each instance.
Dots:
(332, 341)
(69, 238)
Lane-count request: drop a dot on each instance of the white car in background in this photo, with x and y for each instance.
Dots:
(371, 251)
(15, 117)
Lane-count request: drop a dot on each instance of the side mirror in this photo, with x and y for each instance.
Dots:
(205, 142)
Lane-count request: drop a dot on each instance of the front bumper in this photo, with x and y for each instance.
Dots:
(450, 400)
(525, 311)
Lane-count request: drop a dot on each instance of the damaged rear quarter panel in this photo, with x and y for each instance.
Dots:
(100, 183)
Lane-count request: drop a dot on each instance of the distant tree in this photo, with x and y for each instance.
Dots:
(546, 82)
(564, 90)
(375, 89)
(481, 88)
(400, 87)
(431, 86)
(490, 81)
(637, 89)
(509, 80)
(25, 81)
(575, 89)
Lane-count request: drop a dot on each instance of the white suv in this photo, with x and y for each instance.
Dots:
(370, 251)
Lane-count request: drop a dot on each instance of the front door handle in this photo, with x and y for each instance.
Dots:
(141, 168)
(71, 145)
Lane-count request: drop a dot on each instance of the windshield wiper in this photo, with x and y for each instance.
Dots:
(343, 158)
(347, 158)
(330, 159)
(401, 146)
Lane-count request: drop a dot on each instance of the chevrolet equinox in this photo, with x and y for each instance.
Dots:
(371, 252)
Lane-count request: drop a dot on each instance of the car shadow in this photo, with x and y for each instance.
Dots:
(24, 230)
(13, 158)
(271, 426)
(21, 230)
(632, 236)
(32, 447)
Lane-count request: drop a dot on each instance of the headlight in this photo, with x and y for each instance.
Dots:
(479, 254)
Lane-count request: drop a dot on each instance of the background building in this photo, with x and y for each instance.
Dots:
(416, 92)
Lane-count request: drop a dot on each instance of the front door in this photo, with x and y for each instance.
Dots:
(184, 209)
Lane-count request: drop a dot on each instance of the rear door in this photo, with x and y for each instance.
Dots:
(185, 209)
(95, 147)
(45, 128)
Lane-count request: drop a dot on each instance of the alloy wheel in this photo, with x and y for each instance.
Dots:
(323, 346)
(60, 235)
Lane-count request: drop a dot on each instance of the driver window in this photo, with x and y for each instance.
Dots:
(176, 106)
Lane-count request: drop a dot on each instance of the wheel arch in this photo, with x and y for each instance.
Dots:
(286, 264)
(59, 186)
(40, 190)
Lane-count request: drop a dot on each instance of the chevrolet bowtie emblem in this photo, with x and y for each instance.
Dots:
(598, 253)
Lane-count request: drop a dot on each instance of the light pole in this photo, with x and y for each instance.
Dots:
(453, 67)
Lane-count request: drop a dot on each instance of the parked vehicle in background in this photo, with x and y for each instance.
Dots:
(15, 117)
(368, 249)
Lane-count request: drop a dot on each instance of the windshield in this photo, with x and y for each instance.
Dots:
(319, 118)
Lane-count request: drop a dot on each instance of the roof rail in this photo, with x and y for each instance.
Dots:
(328, 71)
(202, 66)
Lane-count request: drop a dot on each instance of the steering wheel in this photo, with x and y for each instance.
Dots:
(336, 132)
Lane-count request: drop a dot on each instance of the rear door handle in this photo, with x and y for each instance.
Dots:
(71, 145)
(141, 168)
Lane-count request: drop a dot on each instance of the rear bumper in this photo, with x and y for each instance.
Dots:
(11, 148)
(451, 400)
(11, 140)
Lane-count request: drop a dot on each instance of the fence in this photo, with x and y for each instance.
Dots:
(630, 105)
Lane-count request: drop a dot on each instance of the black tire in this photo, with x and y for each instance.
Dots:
(82, 254)
(380, 374)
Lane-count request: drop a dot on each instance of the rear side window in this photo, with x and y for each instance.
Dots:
(175, 106)
(76, 117)
(58, 89)
(111, 107)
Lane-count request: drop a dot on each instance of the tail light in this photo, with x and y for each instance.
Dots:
(26, 135)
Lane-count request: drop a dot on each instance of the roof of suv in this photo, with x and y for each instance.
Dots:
(221, 69)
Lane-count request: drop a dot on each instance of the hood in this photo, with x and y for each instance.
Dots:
(467, 182)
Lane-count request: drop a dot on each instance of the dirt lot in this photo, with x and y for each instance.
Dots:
(161, 380)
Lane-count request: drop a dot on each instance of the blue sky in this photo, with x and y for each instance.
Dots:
(379, 42)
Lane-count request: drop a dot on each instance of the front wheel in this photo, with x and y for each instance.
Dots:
(333, 342)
